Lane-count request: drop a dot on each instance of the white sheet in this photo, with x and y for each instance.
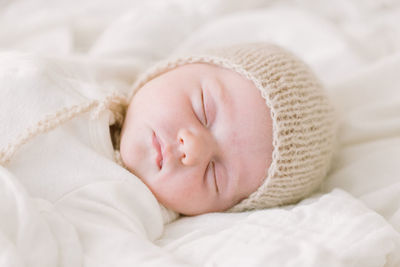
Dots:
(353, 46)
(329, 230)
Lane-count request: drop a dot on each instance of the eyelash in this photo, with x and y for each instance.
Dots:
(204, 108)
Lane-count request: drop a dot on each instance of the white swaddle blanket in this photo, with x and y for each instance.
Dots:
(65, 202)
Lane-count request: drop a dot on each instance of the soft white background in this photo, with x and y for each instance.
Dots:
(353, 46)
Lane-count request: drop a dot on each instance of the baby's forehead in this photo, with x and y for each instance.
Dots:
(222, 83)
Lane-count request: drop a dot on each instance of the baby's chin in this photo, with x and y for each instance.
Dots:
(186, 208)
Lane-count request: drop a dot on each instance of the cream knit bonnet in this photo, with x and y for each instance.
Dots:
(303, 120)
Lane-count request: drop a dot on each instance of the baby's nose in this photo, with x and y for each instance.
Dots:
(194, 147)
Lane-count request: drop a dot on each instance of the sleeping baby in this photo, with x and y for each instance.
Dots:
(230, 129)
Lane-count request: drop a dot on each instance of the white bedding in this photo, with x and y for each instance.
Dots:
(354, 47)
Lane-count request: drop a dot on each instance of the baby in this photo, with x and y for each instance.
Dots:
(235, 128)
(230, 129)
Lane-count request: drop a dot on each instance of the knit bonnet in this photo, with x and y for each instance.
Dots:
(303, 119)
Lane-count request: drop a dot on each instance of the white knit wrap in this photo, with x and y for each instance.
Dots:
(304, 123)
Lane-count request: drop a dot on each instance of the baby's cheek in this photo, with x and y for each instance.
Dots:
(178, 192)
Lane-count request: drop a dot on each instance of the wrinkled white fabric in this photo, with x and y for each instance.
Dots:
(329, 230)
(65, 202)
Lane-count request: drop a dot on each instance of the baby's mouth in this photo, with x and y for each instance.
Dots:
(157, 146)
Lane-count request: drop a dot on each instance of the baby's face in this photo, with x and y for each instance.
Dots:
(200, 137)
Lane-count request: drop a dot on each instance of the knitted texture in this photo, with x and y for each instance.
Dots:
(304, 123)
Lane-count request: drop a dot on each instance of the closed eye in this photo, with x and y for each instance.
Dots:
(204, 109)
(211, 171)
(215, 177)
